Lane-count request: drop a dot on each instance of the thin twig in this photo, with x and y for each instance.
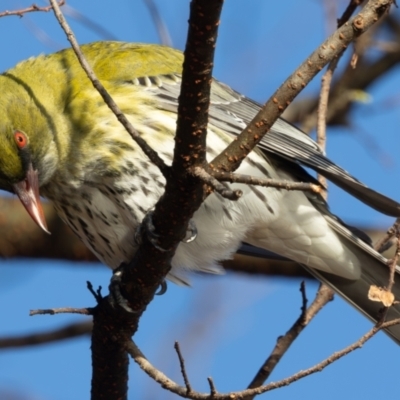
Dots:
(266, 182)
(321, 112)
(172, 386)
(153, 156)
(393, 264)
(96, 294)
(304, 301)
(215, 178)
(324, 291)
(63, 310)
(32, 8)
(213, 390)
(231, 158)
(326, 80)
(220, 188)
(183, 368)
(323, 296)
(386, 241)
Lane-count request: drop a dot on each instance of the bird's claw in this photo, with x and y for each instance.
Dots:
(147, 224)
(116, 296)
(191, 232)
(163, 288)
(150, 230)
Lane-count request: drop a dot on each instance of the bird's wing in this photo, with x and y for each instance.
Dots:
(231, 112)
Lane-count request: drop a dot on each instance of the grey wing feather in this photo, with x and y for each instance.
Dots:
(277, 142)
(374, 271)
(231, 112)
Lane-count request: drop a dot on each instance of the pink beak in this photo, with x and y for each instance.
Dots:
(28, 192)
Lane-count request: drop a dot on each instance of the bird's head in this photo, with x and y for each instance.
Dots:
(28, 154)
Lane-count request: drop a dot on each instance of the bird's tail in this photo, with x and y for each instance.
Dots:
(374, 272)
(374, 269)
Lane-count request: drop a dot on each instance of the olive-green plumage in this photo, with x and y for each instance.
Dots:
(45, 85)
(59, 139)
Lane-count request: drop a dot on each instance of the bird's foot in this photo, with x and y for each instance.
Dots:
(150, 230)
(147, 224)
(116, 296)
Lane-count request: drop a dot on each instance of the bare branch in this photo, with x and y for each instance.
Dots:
(230, 159)
(266, 182)
(386, 241)
(324, 296)
(325, 89)
(95, 293)
(183, 369)
(214, 179)
(170, 385)
(220, 188)
(63, 310)
(213, 390)
(32, 8)
(66, 332)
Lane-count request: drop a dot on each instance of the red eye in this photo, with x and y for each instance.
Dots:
(20, 139)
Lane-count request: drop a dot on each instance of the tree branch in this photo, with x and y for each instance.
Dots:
(333, 46)
(66, 332)
(324, 296)
(32, 8)
(173, 387)
(183, 195)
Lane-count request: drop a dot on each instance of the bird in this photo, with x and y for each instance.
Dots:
(59, 140)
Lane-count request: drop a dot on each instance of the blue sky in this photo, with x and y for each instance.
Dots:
(226, 325)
